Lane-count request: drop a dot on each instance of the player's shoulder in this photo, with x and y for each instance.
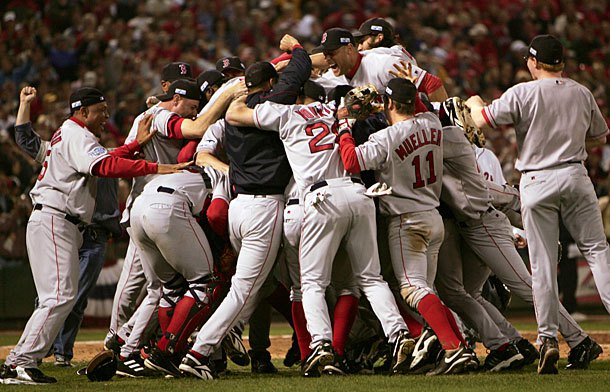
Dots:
(73, 130)
(453, 134)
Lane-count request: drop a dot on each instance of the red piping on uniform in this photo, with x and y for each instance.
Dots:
(402, 257)
(487, 120)
(347, 150)
(354, 69)
(79, 122)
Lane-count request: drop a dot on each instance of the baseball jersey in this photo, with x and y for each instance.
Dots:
(375, 66)
(309, 135)
(408, 156)
(328, 80)
(552, 118)
(164, 147)
(213, 141)
(189, 185)
(65, 182)
(218, 93)
(464, 188)
(489, 165)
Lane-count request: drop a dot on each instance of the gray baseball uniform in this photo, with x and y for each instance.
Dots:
(553, 117)
(335, 210)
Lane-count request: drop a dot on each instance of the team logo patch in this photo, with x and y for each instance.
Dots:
(345, 40)
(180, 91)
(182, 69)
(323, 37)
(204, 85)
(225, 63)
(97, 152)
(376, 28)
(76, 104)
(533, 51)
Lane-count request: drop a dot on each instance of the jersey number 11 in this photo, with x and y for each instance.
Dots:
(419, 181)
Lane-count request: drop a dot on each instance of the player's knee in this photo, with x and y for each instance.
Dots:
(413, 294)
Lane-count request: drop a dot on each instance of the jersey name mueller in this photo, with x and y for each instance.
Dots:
(408, 156)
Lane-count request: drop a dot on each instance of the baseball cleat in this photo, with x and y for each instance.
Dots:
(235, 349)
(162, 362)
(200, 368)
(293, 355)
(423, 347)
(528, 350)
(583, 353)
(401, 353)
(341, 366)
(20, 375)
(133, 366)
(549, 355)
(320, 356)
(261, 362)
(503, 358)
(452, 362)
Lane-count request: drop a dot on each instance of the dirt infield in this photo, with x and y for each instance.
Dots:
(84, 351)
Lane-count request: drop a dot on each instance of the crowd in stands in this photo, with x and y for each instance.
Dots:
(120, 46)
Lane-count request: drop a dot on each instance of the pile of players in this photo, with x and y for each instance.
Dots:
(393, 205)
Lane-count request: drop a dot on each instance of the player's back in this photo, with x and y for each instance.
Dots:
(414, 165)
(376, 64)
(309, 135)
(190, 185)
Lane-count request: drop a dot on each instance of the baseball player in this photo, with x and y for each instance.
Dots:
(172, 119)
(409, 157)
(63, 202)
(335, 210)
(231, 67)
(105, 222)
(259, 173)
(555, 118)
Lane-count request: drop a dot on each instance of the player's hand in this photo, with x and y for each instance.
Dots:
(520, 242)
(475, 102)
(238, 89)
(165, 168)
(152, 101)
(144, 133)
(287, 43)
(403, 70)
(27, 95)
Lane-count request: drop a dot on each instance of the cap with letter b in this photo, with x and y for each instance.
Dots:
(546, 49)
(175, 71)
(333, 39)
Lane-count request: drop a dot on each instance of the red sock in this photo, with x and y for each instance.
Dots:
(433, 311)
(300, 328)
(182, 314)
(165, 317)
(345, 313)
(280, 300)
(454, 325)
(414, 326)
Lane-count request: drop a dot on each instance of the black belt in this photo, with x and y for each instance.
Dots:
(166, 190)
(323, 183)
(563, 163)
(292, 202)
(70, 218)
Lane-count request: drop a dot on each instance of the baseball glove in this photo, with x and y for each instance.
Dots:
(360, 102)
(102, 367)
(458, 114)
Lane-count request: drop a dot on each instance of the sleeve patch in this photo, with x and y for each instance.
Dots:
(97, 151)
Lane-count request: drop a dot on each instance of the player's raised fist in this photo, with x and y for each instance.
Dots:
(287, 42)
(144, 133)
(28, 94)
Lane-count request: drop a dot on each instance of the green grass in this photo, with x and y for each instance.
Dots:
(597, 378)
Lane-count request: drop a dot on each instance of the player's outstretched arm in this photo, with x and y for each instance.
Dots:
(193, 129)
(25, 136)
(205, 158)
(240, 115)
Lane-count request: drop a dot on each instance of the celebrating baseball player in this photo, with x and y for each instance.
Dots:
(555, 119)
(63, 200)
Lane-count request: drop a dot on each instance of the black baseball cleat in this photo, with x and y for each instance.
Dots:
(235, 349)
(200, 368)
(133, 366)
(549, 355)
(261, 362)
(401, 353)
(319, 357)
(452, 362)
(20, 375)
(162, 362)
(582, 354)
(293, 355)
(503, 358)
(528, 350)
(426, 346)
(341, 366)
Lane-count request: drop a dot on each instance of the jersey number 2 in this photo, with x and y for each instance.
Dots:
(419, 181)
(45, 165)
(314, 144)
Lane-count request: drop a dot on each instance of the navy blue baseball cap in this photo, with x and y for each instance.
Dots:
(85, 96)
(546, 49)
(401, 90)
(333, 39)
